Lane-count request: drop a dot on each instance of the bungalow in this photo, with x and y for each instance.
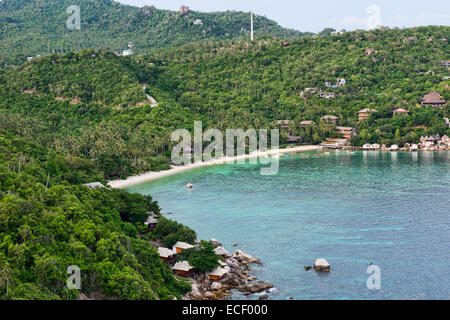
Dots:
(414, 147)
(341, 82)
(127, 53)
(330, 119)
(218, 274)
(400, 111)
(183, 269)
(180, 246)
(151, 222)
(347, 132)
(293, 139)
(306, 123)
(198, 22)
(433, 99)
(221, 251)
(284, 124)
(394, 147)
(327, 95)
(166, 254)
(334, 143)
(365, 114)
(94, 185)
(367, 146)
(376, 146)
(427, 141)
(328, 84)
(446, 63)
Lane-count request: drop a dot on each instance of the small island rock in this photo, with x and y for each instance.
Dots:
(322, 265)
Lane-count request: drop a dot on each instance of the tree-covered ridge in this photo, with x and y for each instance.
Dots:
(47, 225)
(230, 84)
(32, 27)
(88, 76)
(383, 69)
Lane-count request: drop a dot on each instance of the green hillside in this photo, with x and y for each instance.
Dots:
(68, 119)
(31, 27)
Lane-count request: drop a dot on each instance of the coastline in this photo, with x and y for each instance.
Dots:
(155, 175)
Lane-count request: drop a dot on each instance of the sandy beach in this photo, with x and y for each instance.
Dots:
(150, 176)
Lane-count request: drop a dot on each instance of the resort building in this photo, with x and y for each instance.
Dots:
(183, 269)
(221, 251)
(446, 63)
(184, 9)
(151, 222)
(394, 147)
(427, 142)
(94, 185)
(218, 274)
(127, 53)
(341, 82)
(433, 99)
(293, 139)
(166, 254)
(180, 246)
(334, 143)
(327, 95)
(330, 119)
(400, 111)
(365, 114)
(347, 132)
(306, 123)
(284, 124)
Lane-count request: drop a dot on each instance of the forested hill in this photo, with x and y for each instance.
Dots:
(30, 27)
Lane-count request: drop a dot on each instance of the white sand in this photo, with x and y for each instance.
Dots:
(150, 176)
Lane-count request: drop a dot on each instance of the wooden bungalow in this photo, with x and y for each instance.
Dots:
(180, 246)
(218, 274)
(166, 254)
(221, 251)
(347, 132)
(151, 223)
(433, 99)
(306, 123)
(365, 114)
(183, 269)
(330, 119)
(400, 111)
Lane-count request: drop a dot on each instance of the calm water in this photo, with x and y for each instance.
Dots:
(389, 209)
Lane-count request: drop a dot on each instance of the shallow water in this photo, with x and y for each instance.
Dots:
(353, 209)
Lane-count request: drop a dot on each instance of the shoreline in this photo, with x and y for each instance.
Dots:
(155, 175)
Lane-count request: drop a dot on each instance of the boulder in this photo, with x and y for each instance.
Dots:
(216, 286)
(189, 186)
(255, 287)
(215, 243)
(322, 265)
(307, 268)
(264, 297)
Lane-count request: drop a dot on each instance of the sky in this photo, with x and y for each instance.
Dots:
(316, 15)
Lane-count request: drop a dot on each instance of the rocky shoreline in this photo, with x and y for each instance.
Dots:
(238, 278)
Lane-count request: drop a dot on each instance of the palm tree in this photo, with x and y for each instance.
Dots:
(5, 279)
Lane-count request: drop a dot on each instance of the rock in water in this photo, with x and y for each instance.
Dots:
(264, 297)
(256, 287)
(307, 268)
(322, 265)
(189, 186)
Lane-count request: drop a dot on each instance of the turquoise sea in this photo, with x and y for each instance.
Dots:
(353, 209)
